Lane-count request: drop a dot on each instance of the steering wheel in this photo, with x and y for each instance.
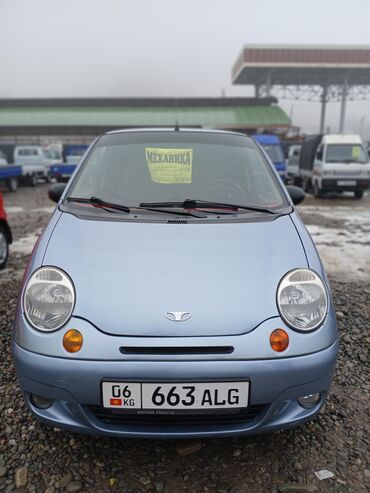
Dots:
(220, 187)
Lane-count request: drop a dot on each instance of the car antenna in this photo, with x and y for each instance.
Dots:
(177, 128)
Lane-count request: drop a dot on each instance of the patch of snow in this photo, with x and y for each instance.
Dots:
(47, 210)
(24, 246)
(344, 253)
(14, 209)
(18, 210)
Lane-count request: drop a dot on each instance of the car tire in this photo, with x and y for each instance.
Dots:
(12, 184)
(32, 180)
(359, 194)
(317, 191)
(4, 248)
(306, 185)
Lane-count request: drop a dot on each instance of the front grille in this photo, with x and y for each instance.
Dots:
(119, 417)
(177, 221)
(165, 350)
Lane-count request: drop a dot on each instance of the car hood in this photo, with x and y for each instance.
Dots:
(129, 275)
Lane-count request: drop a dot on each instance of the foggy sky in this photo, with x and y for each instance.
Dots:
(156, 48)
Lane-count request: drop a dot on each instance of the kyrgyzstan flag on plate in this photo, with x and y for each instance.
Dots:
(115, 402)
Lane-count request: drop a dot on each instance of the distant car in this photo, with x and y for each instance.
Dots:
(5, 235)
(175, 293)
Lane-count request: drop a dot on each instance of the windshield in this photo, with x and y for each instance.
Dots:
(274, 152)
(51, 154)
(135, 167)
(347, 153)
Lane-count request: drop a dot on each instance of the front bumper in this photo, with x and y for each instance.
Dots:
(75, 385)
(344, 184)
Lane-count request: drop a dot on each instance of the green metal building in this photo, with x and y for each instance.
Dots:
(81, 119)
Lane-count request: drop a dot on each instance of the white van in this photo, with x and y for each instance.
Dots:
(335, 163)
(35, 164)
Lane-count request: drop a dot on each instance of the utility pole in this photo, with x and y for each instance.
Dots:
(324, 100)
(343, 105)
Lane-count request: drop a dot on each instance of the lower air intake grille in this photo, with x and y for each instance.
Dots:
(118, 417)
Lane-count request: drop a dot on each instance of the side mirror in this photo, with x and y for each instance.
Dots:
(296, 194)
(56, 191)
(319, 154)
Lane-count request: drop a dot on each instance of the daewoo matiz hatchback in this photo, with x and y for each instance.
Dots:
(175, 292)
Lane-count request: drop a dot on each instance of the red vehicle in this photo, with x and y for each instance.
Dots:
(5, 236)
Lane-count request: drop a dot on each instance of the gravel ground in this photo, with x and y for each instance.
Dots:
(37, 458)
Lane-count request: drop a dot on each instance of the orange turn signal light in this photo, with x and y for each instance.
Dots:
(72, 341)
(279, 340)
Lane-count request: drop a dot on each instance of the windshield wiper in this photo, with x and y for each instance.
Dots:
(176, 213)
(103, 204)
(199, 204)
(95, 201)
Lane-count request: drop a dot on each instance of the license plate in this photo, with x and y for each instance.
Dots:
(175, 396)
(347, 183)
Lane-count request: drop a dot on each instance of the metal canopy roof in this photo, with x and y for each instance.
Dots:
(302, 65)
(116, 113)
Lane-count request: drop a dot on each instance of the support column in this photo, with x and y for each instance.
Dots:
(324, 100)
(343, 105)
(256, 90)
(268, 85)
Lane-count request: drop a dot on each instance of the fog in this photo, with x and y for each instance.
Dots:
(86, 48)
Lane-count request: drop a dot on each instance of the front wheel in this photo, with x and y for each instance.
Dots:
(359, 194)
(32, 180)
(4, 248)
(12, 184)
(306, 185)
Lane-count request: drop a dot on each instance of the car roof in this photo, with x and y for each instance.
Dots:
(175, 129)
(341, 139)
(266, 138)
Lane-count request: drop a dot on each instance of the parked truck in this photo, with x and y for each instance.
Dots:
(293, 173)
(35, 164)
(10, 175)
(72, 154)
(334, 163)
(272, 146)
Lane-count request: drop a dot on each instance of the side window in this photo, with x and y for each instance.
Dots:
(319, 153)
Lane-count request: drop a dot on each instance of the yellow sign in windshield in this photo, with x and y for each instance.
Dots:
(169, 165)
(356, 152)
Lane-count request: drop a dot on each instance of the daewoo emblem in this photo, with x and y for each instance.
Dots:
(178, 316)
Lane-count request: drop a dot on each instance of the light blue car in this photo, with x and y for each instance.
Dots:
(175, 293)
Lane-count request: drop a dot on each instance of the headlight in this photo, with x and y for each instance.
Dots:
(302, 300)
(48, 299)
(365, 173)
